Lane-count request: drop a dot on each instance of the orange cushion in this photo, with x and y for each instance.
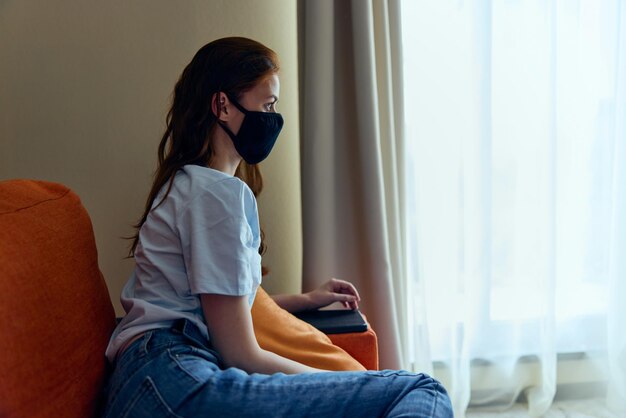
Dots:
(55, 313)
(280, 332)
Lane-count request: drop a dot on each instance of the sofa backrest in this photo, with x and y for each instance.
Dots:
(55, 312)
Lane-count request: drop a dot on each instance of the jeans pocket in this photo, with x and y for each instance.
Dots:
(198, 364)
(147, 402)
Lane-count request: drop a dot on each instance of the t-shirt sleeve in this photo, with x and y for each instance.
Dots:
(220, 250)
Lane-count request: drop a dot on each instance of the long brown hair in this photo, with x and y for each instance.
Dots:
(230, 65)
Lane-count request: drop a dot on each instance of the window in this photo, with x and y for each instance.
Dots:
(513, 119)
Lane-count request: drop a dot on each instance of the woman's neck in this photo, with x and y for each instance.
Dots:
(228, 167)
(224, 156)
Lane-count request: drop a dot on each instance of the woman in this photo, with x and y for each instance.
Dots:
(186, 346)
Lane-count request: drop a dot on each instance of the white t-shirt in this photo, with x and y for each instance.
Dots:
(204, 238)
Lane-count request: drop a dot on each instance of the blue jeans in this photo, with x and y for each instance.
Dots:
(173, 373)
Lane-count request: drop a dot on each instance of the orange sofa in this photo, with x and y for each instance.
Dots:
(56, 315)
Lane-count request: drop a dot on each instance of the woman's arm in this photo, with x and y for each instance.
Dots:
(230, 327)
(334, 290)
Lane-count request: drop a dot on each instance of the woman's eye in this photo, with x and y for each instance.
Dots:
(270, 107)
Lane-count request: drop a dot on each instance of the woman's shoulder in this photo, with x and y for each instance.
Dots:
(197, 183)
(196, 178)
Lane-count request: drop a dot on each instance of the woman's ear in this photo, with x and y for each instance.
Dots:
(219, 106)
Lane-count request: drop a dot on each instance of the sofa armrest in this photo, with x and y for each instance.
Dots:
(360, 341)
(363, 346)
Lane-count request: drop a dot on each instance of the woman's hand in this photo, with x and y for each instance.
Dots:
(334, 290)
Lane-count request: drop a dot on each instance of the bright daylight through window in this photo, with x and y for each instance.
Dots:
(514, 111)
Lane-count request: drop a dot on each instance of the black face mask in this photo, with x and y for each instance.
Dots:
(257, 134)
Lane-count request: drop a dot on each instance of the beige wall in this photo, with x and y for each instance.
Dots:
(84, 89)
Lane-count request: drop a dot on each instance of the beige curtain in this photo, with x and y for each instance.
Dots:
(351, 98)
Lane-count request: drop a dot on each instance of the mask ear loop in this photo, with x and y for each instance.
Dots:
(226, 129)
(236, 103)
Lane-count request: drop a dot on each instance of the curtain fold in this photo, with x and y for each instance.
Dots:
(351, 136)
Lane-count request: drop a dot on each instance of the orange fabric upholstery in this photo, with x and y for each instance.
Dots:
(362, 346)
(282, 333)
(55, 313)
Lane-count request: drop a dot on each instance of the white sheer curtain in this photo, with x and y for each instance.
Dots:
(516, 141)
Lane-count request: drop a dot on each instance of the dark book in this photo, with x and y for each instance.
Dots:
(339, 321)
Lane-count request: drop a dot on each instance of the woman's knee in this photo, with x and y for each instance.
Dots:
(424, 396)
(432, 399)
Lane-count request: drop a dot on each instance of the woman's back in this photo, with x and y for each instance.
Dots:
(180, 253)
